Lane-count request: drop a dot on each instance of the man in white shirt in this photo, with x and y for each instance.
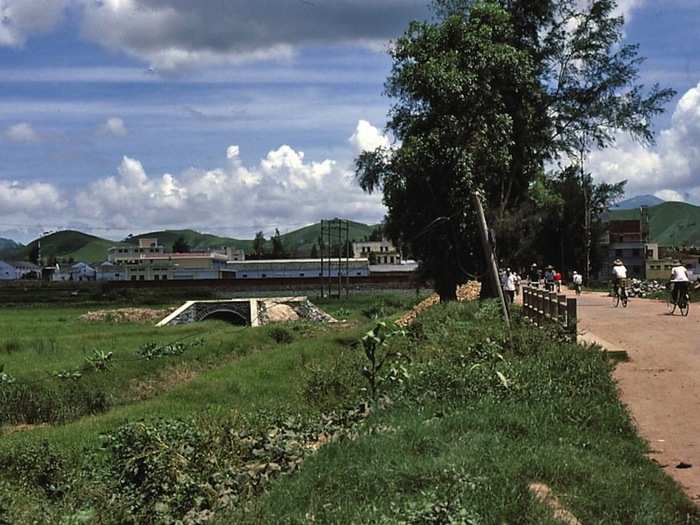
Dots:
(509, 286)
(578, 282)
(619, 278)
(680, 281)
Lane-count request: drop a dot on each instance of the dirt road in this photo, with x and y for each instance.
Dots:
(661, 382)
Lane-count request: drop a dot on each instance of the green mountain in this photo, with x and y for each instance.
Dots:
(197, 241)
(78, 246)
(670, 224)
(302, 240)
(9, 244)
(69, 244)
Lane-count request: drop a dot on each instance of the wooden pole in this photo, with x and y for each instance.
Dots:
(571, 320)
(490, 257)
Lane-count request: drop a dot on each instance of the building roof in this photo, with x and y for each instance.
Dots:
(293, 261)
(24, 265)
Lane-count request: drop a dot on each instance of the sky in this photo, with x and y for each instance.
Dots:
(232, 116)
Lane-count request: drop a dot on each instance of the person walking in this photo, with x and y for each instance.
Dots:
(509, 286)
(557, 280)
(549, 278)
(534, 276)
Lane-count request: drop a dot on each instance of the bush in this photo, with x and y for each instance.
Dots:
(35, 466)
(280, 335)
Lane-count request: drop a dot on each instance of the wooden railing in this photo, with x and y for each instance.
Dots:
(542, 307)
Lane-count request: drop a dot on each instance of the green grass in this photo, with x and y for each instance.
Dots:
(458, 433)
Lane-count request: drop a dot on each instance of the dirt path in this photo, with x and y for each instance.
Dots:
(661, 382)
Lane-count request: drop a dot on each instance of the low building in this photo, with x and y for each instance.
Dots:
(133, 252)
(15, 270)
(660, 269)
(81, 271)
(627, 240)
(295, 269)
(108, 271)
(377, 252)
(7, 272)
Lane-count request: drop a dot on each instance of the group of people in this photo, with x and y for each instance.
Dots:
(551, 279)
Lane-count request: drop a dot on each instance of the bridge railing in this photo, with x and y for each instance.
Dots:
(542, 306)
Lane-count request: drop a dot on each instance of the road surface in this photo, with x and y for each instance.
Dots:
(661, 382)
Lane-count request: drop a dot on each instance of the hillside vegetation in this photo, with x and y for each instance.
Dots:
(68, 244)
(670, 223)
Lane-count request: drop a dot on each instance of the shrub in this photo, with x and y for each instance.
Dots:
(280, 334)
(35, 466)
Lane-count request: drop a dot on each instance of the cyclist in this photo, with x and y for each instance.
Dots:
(578, 282)
(680, 281)
(619, 278)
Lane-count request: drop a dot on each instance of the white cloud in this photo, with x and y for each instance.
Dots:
(22, 132)
(367, 138)
(21, 18)
(114, 126)
(670, 195)
(283, 189)
(672, 166)
(27, 199)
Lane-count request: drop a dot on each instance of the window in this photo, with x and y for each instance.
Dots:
(133, 277)
(142, 277)
(156, 277)
(165, 277)
(264, 275)
(301, 275)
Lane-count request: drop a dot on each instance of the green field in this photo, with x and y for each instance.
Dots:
(277, 425)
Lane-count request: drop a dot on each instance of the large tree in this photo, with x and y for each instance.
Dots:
(487, 98)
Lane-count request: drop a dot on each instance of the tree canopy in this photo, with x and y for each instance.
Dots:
(491, 97)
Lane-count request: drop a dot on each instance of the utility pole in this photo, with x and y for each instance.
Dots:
(490, 257)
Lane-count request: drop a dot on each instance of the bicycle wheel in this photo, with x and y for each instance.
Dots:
(616, 299)
(685, 306)
(624, 299)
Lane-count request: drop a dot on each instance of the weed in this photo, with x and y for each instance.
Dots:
(10, 346)
(280, 335)
(376, 346)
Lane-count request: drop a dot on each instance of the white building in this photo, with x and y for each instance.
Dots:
(7, 272)
(378, 252)
(294, 268)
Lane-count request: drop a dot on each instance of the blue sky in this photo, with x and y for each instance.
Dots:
(122, 116)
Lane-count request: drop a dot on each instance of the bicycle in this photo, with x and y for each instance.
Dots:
(620, 295)
(683, 303)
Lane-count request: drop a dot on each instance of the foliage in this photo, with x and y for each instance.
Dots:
(181, 245)
(280, 335)
(153, 350)
(259, 245)
(278, 249)
(375, 344)
(485, 96)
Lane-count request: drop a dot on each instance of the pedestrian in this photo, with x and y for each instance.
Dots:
(557, 280)
(578, 282)
(549, 278)
(534, 276)
(509, 286)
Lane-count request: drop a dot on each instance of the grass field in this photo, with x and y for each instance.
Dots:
(276, 425)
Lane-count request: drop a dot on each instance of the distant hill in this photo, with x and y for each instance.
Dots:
(636, 202)
(670, 223)
(11, 250)
(197, 241)
(9, 244)
(69, 244)
(301, 241)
